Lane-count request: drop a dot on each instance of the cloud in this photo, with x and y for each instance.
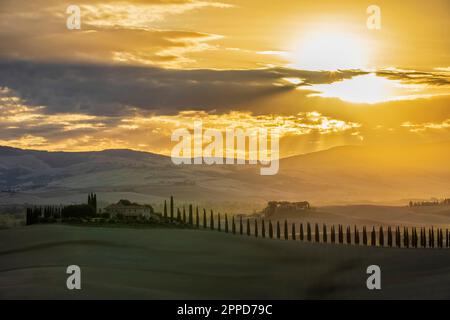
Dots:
(115, 90)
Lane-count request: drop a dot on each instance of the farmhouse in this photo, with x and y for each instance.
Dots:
(282, 207)
(125, 208)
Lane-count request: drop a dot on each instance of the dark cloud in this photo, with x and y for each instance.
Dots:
(113, 90)
(419, 77)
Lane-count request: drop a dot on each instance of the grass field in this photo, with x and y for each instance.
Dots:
(123, 263)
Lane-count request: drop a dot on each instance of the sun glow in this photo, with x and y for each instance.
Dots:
(329, 51)
(369, 88)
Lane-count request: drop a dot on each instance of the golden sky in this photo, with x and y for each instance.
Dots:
(136, 70)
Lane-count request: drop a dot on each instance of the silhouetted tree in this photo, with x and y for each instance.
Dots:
(211, 221)
(349, 235)
(308, 232)
(263, 228)
(286, 235)
(316, 233)
(365, 236)
(341, 234)
(302, 235)
(333, 234)
(381, 237)
(218, 222)
(171, 208)
(197, 217)
(204, 218)
(293, 231)
(226, 223)
(256, 228)
(248, 227)
(165, 209)
(398, 237)
(233, 226)
(405, 237)
(191, 216)
(447, 238)
(178, 215)
(324, 233)
(184, 214)
(356, 236)
(389, 237)
(278, 230)
(373, 238)
(241, 227)
(270, 230)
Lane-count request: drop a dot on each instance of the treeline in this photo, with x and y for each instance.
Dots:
(445, 202)
(400, 237)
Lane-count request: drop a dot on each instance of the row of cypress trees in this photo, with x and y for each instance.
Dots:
(391, 237)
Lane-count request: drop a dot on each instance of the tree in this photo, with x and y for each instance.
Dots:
(405, 237)
(324, 233)
(316, 233)
(211, 221)
(349, 235)
(218, 222)
(356, 236)
(333, 234)
(197, 217)
(308, 232)
(341, 234)
(286, 234)
(171, 207)
(204, 218)
(302, 235)
(248, 227)
(278, 230)
(293, 231)
(256, 228)
(364, 236)
(178, 215)
(389, 237)
(241, 227)
(226, 223)
(165, 209)
(373, 238)
(398, 237)
(270, 230)
(191, 214)
(381, 237)
(233, 225)
(184, 215)
(263, 228)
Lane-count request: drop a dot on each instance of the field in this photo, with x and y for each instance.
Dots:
(123, 263)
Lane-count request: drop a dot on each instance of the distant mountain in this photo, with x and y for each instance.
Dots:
(349, 174)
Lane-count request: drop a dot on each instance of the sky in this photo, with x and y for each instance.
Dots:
(137, 70)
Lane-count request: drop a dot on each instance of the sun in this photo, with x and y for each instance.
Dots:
(329, 51)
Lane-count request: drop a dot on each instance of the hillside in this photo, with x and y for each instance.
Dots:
(340, 175)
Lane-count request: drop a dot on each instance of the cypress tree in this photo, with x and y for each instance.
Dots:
(356, 236)
(241, 227)
(263, 228)
(191, 216)
(324, 233)
(365, 236)
(398, 237)
(316, 233)
(171, 207)
(218, 222)
(184, 215)
(278, 230)
(405, 238)
(447, 237)
(178, 215)
(165, 209)
(256, 228)
(349, 236)
(248, 227)
(211, 221)
(204, 218)
(381, 237)
(226, 223)
(341, 234)
(286, 234)
(389, 236)
(432, 237)
(270, 230)
(293, 231)
(302, 235)
(197, 217)
(308, 232)
(373, 238)
(333, 234)
(233, 225)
